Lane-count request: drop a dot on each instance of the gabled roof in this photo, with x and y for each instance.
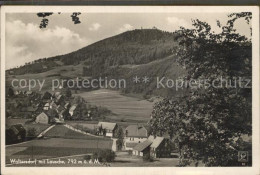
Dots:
(136, 131)
(56, 94)
(52, 113)
(43, 114)
(67, 104)
(29, 92)
(53, 105)
(73, 107)
(60, 108)
(156, 141)
(143, 145)
(58, 98)
(46, 104)
(107, 125)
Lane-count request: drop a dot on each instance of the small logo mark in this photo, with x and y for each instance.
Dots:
(242, 156)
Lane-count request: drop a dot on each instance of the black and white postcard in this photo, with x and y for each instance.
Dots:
(129, 90)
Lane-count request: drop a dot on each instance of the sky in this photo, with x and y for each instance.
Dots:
(26, 42)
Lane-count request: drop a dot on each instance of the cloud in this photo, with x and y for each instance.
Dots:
(26, 42)
(94, 27)
(176, 23)
(124, 28)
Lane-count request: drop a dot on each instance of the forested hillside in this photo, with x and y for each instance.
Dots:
(142, 52)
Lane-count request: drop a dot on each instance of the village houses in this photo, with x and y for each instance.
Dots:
(106, 128)
(157, 147)
(42, 118)
(134, 134)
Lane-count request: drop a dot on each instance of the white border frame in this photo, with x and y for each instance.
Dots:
(254, 170)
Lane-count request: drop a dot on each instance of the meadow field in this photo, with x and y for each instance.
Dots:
(123, 108)
(59, 141)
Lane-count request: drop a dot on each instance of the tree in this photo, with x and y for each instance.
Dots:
(10, 92)
(104, 155)
(147, 158)
(104, 132)
(68, 93)
(119, 134)
(207, 124)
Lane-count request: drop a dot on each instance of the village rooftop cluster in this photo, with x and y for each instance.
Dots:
(56, 109)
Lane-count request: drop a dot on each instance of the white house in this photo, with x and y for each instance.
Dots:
(46, 106)
(73, 110)
(42, 118)
(107, 128)
(134, 134)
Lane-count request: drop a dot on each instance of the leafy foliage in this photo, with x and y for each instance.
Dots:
(120, 135)
(44, 22)
(32, 132)
(104, 155)
(207, 124)
(147, 158)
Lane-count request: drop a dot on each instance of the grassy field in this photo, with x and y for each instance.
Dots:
(55, 147)
(48, 77)
(129, 109)
(60, 131)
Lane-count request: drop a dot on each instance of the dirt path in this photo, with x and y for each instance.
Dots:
(82, 132)
(46, 130)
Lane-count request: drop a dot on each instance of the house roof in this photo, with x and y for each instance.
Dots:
(60, 108)
(136, 131)
(29, 92)
(53, 105)
(67, 104)
(156, 141)
(107, 125)
(47, 104)
(52, 113)
(56, 94)
(143, 145)
(73, 107)
(58, 98)
(42, 115)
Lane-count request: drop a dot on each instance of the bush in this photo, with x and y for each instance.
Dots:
(31, 132)
(91, 131)
(87, 157)
(147, 158)
(104, 155)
